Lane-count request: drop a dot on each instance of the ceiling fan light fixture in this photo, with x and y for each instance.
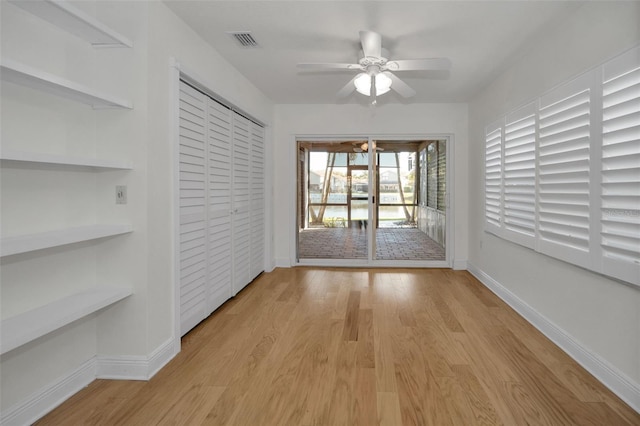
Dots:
(363, 84)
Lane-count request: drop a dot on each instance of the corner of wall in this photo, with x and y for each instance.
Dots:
(136, 367)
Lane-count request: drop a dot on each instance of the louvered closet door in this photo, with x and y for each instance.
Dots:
(219, 190)
(193, 218)
(257, 199)
(241, 229)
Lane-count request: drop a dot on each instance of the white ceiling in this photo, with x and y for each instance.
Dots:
(480, 37)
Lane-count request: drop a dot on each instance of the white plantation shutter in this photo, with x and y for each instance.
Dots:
(573, 161)
(519, 175)
(257, 199)
(193, 259)
(219, 187)
(493, 177)
(563, 191)
(620, 175)
(241, 203)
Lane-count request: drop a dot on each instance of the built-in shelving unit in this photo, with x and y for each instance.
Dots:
(83, 293)
(28, 326)
(26, 243)
(74, 21)
(17, 73)
(21, 157)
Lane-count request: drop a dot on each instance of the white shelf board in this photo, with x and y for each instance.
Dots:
(75, 21)
(61, 160)
(17, 73)
(28, 326)
(32, 242)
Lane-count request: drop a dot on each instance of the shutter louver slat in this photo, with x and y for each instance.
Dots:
(564, 163)
(620, 174)
(519, 177)
(493, 178)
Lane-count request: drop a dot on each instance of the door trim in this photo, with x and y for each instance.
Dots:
(450, 211)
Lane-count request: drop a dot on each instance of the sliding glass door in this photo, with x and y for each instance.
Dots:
(411, 180)
(332, 200)
(371, 201)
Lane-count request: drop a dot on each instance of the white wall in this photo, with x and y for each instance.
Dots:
(172, 40)
(35, 200)
(361, 120)
(124, 338)
(601, 315)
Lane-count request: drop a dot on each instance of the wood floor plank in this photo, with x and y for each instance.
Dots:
(366, 352)
(328, 346)
(388, 408)
(192, 406)
(383, 351)
(338, 410)
(351, 321)
(365, 405)
(484, 412)
(457, 405)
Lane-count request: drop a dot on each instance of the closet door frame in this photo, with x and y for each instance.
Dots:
(180, 72)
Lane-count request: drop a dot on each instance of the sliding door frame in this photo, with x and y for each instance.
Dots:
(371, 261)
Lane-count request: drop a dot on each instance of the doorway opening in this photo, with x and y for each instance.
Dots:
(372, 200)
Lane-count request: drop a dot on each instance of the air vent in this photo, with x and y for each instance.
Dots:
(244, 38)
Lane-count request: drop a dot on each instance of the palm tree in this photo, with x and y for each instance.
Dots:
(326, 187)
(408, 216)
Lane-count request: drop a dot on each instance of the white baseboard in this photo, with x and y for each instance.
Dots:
(49, 397)
(616, 381)
(161, 356)
(121, 367)
(135, 367)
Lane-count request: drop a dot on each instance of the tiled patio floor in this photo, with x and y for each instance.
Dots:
(351, 243)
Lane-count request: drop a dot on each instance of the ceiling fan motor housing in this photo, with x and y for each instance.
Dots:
(365, 61)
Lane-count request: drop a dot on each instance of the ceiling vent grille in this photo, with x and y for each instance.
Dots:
(244, 38)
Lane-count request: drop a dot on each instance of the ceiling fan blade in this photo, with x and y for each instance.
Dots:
(330, 66)
(400, 86)
(436, 64)
(371, 44)
(347, 89)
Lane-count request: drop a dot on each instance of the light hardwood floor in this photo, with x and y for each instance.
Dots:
(319, 346)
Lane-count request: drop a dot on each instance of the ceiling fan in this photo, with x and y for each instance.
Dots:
(357, 147)
(375, 77)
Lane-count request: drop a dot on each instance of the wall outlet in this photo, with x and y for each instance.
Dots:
(121, 194)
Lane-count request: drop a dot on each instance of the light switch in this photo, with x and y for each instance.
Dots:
(121, 194)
